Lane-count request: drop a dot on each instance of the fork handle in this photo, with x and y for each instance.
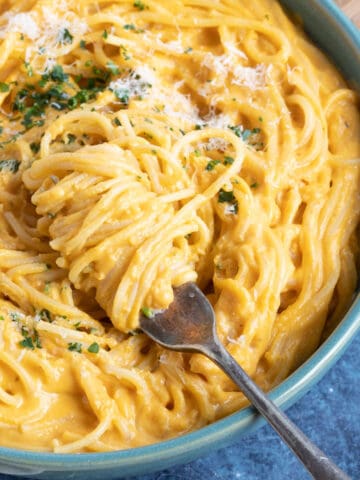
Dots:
(316, 462)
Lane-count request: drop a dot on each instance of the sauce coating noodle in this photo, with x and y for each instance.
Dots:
(143, 145)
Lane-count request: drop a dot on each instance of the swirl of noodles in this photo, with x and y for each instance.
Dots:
(114, 213)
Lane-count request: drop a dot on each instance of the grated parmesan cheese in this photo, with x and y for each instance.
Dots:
(178, 105)
(136, 84)
(215, 143)
(147, 74)
(24, 23)
(230, 209)
(172, 46)
(49, 64)
(53, 24)
(234, 50)
(254, 78)
(44, 30)
(218, 63)
(217, 121)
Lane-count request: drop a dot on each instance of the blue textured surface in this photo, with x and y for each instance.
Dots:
(329, 414)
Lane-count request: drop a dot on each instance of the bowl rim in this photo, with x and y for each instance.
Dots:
(242, 421)
(283, 395)
(346, 28)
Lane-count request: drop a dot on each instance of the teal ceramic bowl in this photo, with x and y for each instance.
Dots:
(340, 39)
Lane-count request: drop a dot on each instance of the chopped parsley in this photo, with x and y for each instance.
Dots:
(237, 130)
(254, 185)
(10, 165)
(211, 165)
(82, 96)
(124, 53)
(36, 339)
(32, 100)
(11, 140)
(57, 74)
(246, 134)
(228, 160)
(65, 36)
(15, 317)
(2, 317)
(97, 71)
(132, 27)
(140, 5)
(75, 347)
(29, 69)
(45, 315)
(240, 132)
(94, 348)
(129, 26)
(71, 138)
(113, 68)
(56, 92)
(225, 196)
(4, 87)
(188, 50)
(35, 147)
(28, 120)
(27, 343)
(30, 341)
(228, 197)
(105, 34)
(122, 94)
(117, 122)
(124, 90)
(147, 312)
(82, 44)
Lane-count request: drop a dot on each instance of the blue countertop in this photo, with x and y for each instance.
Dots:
(329, 414)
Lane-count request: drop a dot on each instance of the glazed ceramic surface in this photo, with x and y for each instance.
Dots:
(340, 39)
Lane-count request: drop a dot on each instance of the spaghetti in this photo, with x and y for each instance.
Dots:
(144, 145)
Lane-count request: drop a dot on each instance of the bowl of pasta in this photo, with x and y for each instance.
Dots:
(145, 144)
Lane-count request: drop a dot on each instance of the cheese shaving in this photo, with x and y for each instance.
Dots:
(254, 78)
(23, 23)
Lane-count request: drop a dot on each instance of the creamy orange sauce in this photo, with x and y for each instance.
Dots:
(143, 145)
